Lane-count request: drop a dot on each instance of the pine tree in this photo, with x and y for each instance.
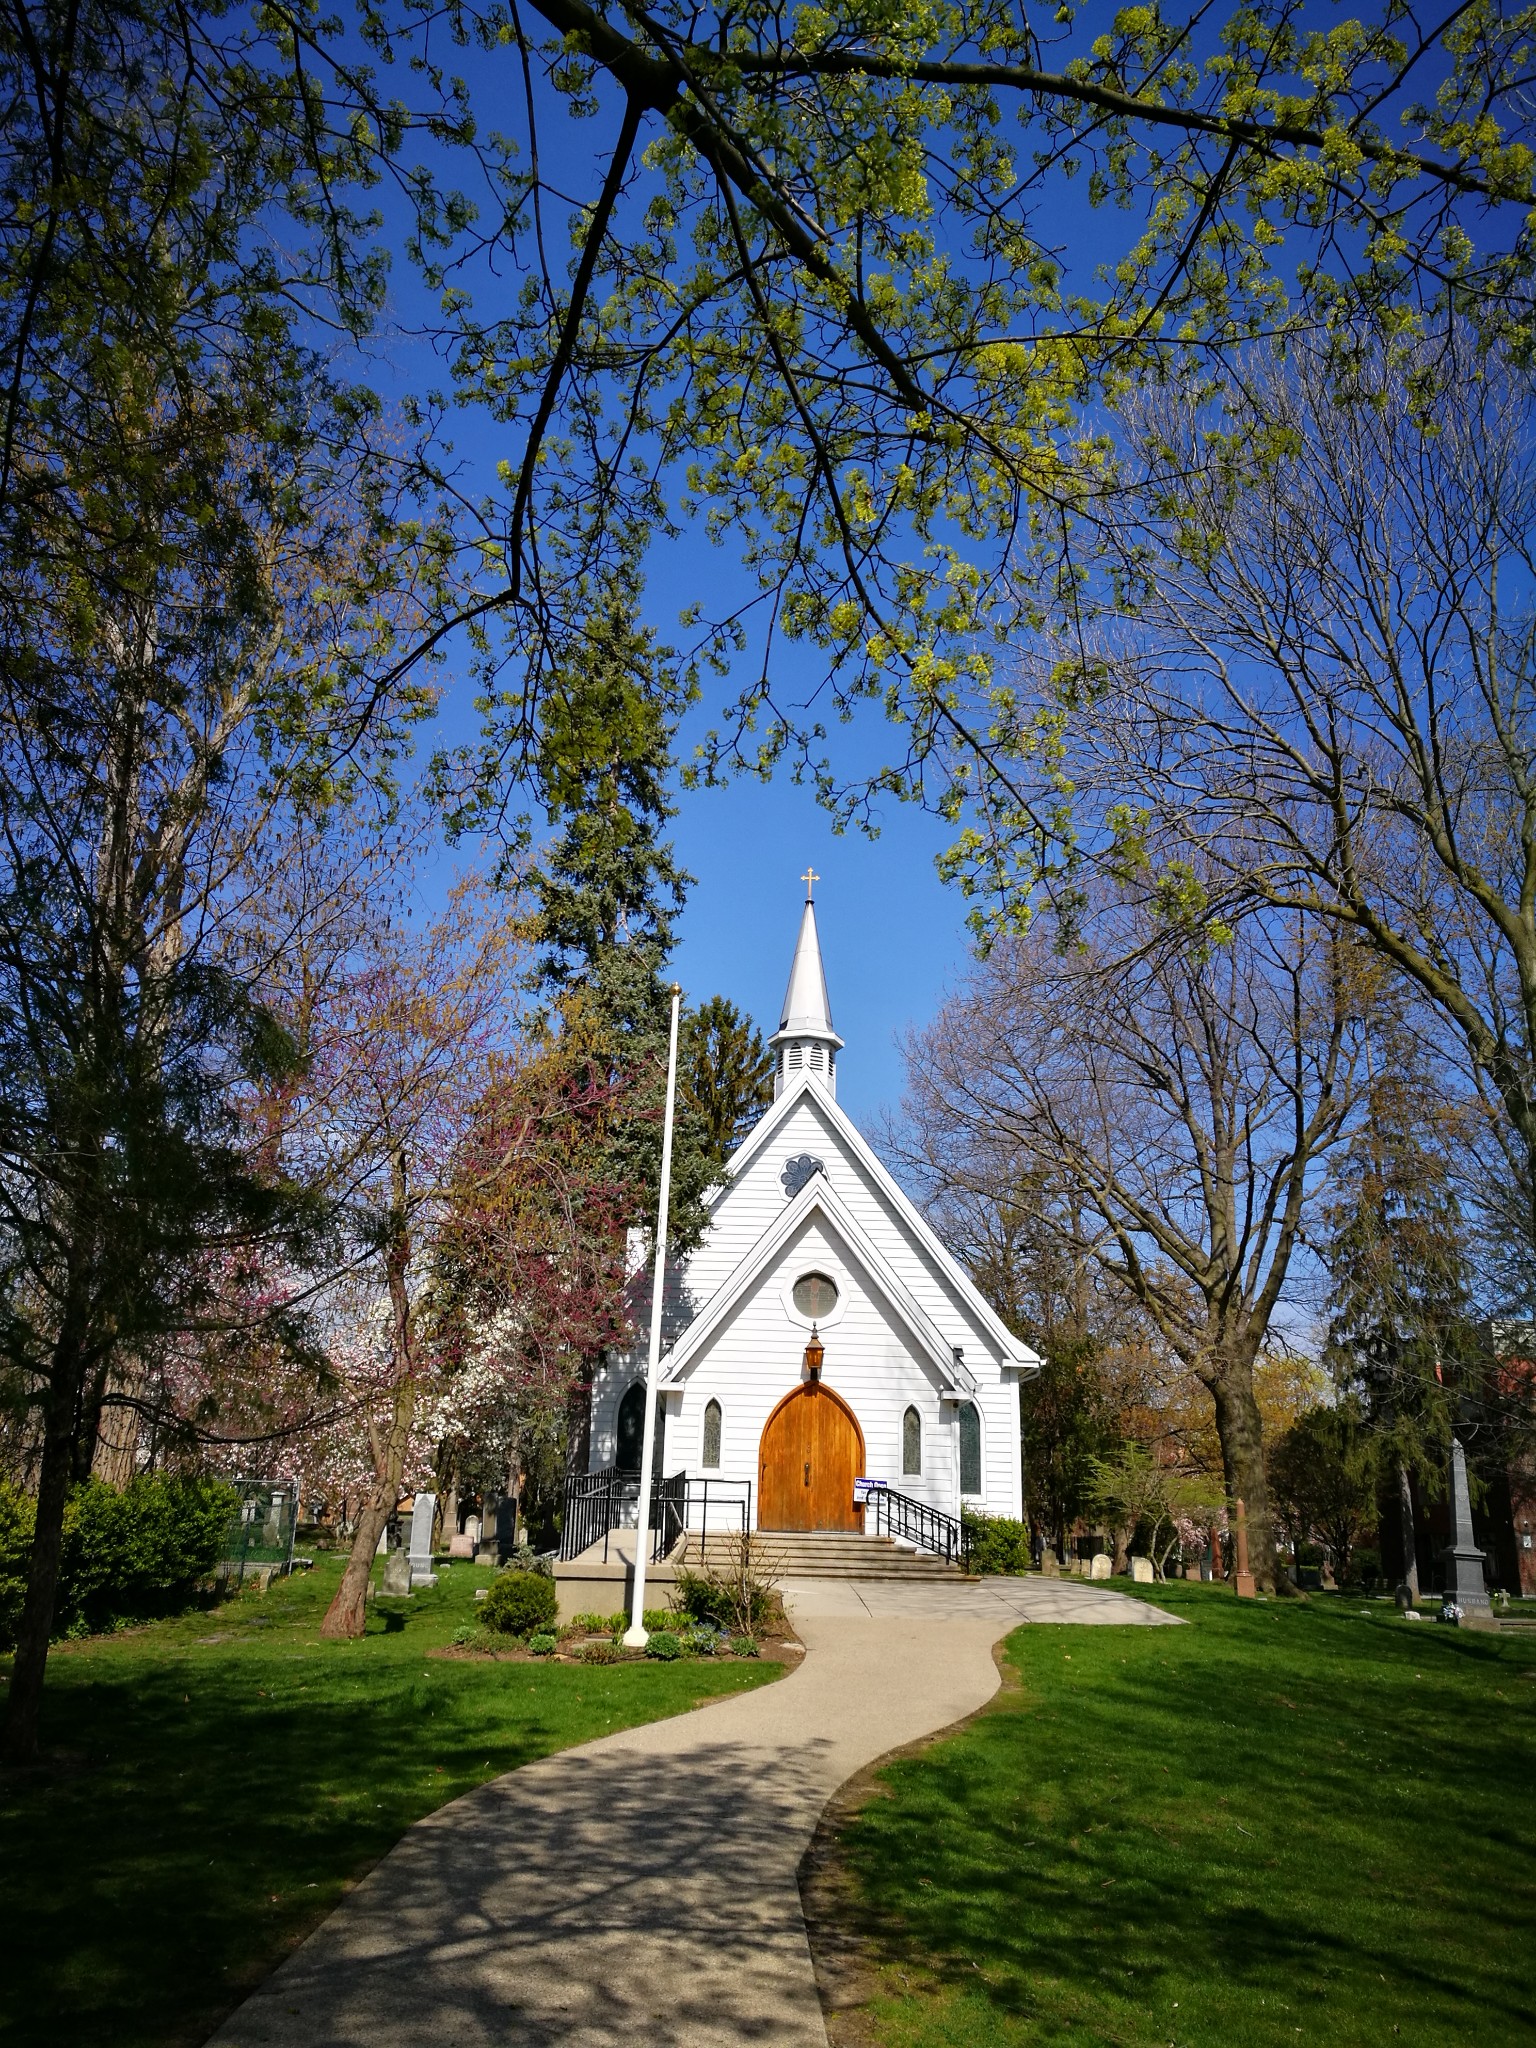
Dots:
(1400, 1333)
(609, 894)
(726, 1074)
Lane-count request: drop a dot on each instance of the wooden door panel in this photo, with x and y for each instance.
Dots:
(812, 1451)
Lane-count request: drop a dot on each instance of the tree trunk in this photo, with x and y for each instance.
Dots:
(18, 1743)
(1240, 1429)
(1410, 1576)
(348, 1612)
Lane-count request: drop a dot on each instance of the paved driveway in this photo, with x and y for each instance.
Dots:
(641, 1891)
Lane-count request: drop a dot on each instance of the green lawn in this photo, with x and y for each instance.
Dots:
(1286, 1822)
(217, 1781)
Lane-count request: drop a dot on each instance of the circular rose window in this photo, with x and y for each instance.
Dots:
(815, 1295)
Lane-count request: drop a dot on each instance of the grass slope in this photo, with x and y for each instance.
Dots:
(217, 1782)
(1286, 1822)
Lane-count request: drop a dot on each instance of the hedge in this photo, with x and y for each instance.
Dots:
(126, 1556)
(997, 1544)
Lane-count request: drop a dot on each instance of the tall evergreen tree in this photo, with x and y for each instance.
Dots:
(1400, 1332)
(726, 1074)
(609, 893)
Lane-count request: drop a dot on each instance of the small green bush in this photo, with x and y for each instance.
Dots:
(469, 1637)
(526, 1559)
(746, 1646)
(542, 1644)
(706, 1640)
(519, 1603)
(998, 1545)
(664, 1646)
(598, 1653)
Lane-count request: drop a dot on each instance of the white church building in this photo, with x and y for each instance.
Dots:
(820, 1347)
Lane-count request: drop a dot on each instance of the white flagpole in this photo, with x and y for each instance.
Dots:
(637, 1636)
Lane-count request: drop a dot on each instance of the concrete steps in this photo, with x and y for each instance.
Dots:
(817, 1554)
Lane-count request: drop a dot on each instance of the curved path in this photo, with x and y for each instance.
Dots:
(643, 1889)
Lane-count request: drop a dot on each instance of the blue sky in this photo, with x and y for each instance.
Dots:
(892, 935)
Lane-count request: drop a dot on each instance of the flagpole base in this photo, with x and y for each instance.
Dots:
(636, 1638)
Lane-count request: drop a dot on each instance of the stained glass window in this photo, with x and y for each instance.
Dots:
(911, 1442)
(815, 1295)
(970, 1448)
(711, 1457)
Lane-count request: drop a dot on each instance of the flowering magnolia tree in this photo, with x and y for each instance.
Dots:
(400, 1026)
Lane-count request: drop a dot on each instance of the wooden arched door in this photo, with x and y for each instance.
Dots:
(812, 1451)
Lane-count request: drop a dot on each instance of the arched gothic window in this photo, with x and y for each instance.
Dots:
(970, 1448)
(711, 1457)
(629, 1429)
(911, 1443)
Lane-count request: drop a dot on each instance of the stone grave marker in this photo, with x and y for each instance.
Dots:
(1102, 1565)
(397, 1575)
(1141, 1571)
(422, 1573)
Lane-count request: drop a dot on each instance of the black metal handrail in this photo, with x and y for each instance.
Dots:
(669, 1514)
(913, 1521)
(728, 1500)
(590, 1508)
(597, 1503)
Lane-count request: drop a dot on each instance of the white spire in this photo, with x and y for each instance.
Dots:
(805, 1041)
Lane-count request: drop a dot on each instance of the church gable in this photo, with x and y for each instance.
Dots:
(805, 1132)
(815, 1231)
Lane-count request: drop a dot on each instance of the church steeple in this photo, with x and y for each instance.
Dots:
(805, 1041)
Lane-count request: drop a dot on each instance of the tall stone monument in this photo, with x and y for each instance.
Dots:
(1462, 1559)
(1246, 1589)
(422, 1513)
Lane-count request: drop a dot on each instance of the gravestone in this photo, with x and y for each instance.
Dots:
(506, 1528)
(1141, 1571)
(1050, 1566)
(462, 1545)
(1245, 1586)
(422, 1573)
(1100, 1566)
(397, 1574)
(1463, 1560)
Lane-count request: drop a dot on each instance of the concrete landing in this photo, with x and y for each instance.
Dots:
(643, 1889)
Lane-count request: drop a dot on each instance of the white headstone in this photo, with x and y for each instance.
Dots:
(1101, 1566)
(422, 1573)
(1141, 1570)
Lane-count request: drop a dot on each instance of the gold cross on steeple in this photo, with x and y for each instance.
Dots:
(808, 878)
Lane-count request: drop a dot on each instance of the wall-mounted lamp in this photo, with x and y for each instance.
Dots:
(815, 1352)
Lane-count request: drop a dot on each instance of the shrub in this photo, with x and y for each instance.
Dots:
(471, 1638)
(706, 1639)
(126, 1556)
(746, 1646)
(526, 1559)
(589, 1624)
(598, 1653)
(739, 1595)
(998, 1545)
(664, 1646)
(658, 1617)
(542, 1645)
(520, 1602)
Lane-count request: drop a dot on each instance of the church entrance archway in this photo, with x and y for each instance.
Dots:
(812, 1451)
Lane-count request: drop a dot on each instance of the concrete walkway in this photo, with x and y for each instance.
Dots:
(643, 1888)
